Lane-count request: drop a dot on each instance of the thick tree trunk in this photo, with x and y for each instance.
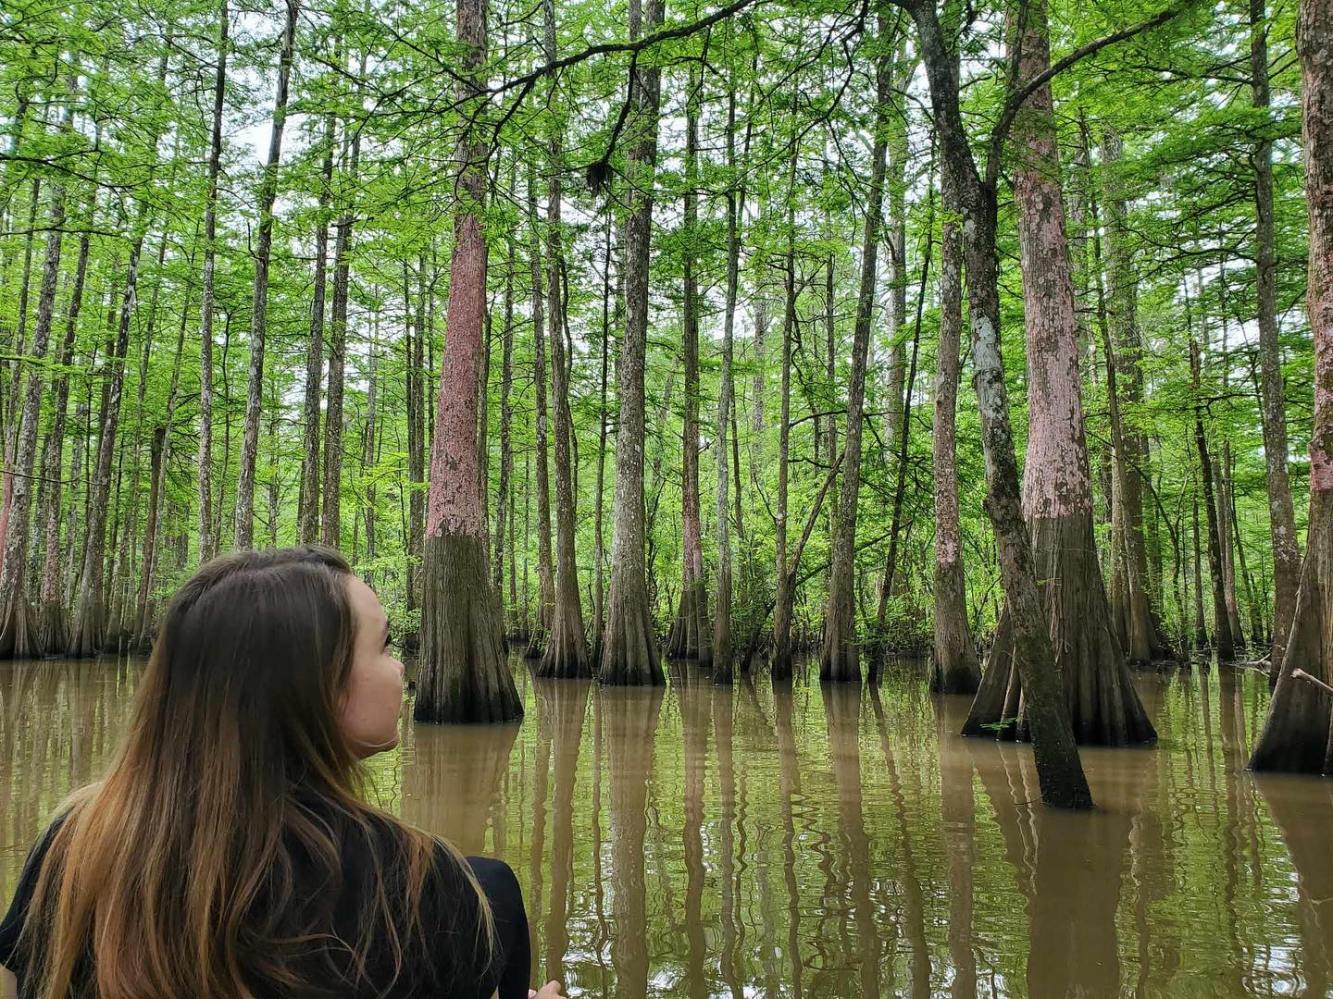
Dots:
(1272, 393)
(691, 637)
(464, 674)
(1298, 735)
(840, 658)
(307, 518)
(207, 539)
(1057, 491)
(268, 190)
(1059, 769)
(629, 645)
(545, 571)
(566, 653)
(956, 670)
(19, 637)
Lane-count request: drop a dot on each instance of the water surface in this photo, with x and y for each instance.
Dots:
(702, 841)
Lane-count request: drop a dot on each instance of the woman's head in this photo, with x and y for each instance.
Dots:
(270, 676)
(279, 658)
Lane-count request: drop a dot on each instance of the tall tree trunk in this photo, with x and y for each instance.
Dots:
(545, 571)
(1221, 619)
(1059, 770)
(207, 539)
(307, 518)
(786, 584)
(268, 190)
(629, 645)
(53, 630)
(599, 556)
(691, 637)
(416, 447)
(464, 674)
(1057, 489)
(840, 657)
(1144, 641)
(502, 513)
(331, 513)
(18, 636)
(955, 667)
(722, 654)
(1297, 735)
(1272, 394)
(566, 653)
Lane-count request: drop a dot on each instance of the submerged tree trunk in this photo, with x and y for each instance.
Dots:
(566, 653)
(1103, 706)
(268, 190)
(956, 670)
(1297, 735)
(18, 636)
(464, 674)
(723, 668)
(545, 571)
(629, 645)
(691, 636)
(840, 658)
(1272, 393)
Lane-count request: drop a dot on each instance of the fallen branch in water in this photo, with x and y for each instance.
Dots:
(1300, 674)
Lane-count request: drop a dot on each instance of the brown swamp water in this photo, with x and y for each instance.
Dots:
(807, 842)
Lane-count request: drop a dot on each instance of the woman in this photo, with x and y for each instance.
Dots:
(229, 851)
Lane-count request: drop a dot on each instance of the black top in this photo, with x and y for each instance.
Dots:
(453, 964)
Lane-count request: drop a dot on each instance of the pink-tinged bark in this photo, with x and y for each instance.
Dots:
(1297, 735)
(454, 505)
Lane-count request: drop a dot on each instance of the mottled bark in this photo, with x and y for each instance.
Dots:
(1059, 770)
(840, 657)
(1272, 393)
(1298, 735)
(955, 666)
(566, 653)
(629, 644)
(1057, 491)
(464, 675)
(268, 190)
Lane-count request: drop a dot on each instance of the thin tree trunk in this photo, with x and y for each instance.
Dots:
(464, 674)
(566, 653)
(1221, 620)
(840, 658)
(785, 597)
(268, 190)
(207, 539)
(599, 555)
(545, 572)
(308, 507)
(502, 513)
(416, 447)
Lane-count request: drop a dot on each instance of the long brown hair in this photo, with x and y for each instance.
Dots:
(173, 876)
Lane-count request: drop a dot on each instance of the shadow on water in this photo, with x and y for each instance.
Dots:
(804, 841)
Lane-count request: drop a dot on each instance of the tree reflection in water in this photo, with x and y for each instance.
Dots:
(810, 842)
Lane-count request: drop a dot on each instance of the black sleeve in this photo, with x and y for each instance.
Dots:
(513, 946)
(12, 925)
